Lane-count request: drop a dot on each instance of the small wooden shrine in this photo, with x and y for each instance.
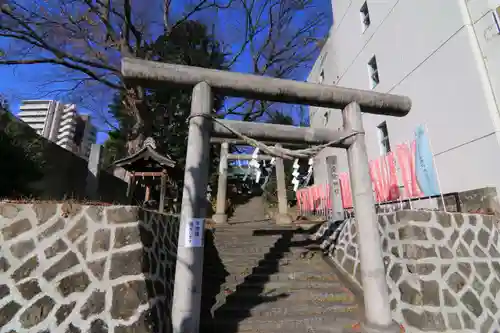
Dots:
(148, 164)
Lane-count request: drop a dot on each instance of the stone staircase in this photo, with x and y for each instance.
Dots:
(259, 277)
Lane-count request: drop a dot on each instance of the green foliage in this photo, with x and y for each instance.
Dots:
(4, 104)
(21, 156)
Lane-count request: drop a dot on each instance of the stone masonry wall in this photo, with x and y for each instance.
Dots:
(443, 269)
(72, 268)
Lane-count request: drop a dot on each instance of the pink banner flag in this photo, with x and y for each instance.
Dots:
(310, 199)
(328, 200)
(406, 159)
(414, 184)
(376, 176)
(392, 177)
(403, 154)
(345, 190)
(304, 199)
(317, 197)
(384, 178)
(300, 204)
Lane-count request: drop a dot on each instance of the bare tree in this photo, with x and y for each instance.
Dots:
(85, 40)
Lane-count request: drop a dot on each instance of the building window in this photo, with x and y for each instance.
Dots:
(496, 18)
(383, 136)
(373, 72)
(321, 77)
(365, 17)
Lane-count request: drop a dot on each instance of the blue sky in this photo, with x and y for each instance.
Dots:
(29, 82)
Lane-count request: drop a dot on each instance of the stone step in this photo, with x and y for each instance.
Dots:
(251, 232)
(332, 292)
(252, 251)
(268, 268)
(268, 263)
(253, 215)
(289, 258)
(285, 309)
(257, 223)
(229, 258)
(282, 286)
(227, 237)
(234, 328)
(263, 243)
(261, 230)
(303, 323)
(276, 277)
(261, 250)
(237, 237)
(251, 288)
(245, 220)
(257, 260)
(230, 239)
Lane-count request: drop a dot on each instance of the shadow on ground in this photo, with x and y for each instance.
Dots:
(214, 276)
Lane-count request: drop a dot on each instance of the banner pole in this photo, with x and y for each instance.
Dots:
(435, 166)
(411, 172)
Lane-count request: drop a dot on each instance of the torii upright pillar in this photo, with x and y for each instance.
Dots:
(282, 217)
(220, 215)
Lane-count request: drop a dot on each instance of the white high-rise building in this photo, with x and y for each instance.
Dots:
(60, 123)
(445, 56)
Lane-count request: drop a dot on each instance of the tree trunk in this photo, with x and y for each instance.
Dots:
(143, 127)
(135, 144)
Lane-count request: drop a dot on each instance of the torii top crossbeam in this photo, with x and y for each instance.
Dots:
(264, 88)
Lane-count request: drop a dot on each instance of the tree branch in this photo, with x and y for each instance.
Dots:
(65, 64)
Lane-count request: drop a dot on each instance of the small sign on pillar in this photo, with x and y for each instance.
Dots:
(194, 232)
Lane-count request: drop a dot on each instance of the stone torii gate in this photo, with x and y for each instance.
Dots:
(188, 276)
(220, 215)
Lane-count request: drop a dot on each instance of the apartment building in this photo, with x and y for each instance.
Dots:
(60, 123)
(444, 55)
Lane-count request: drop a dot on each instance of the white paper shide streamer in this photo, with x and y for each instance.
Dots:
(295, 174)
(254, 165)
